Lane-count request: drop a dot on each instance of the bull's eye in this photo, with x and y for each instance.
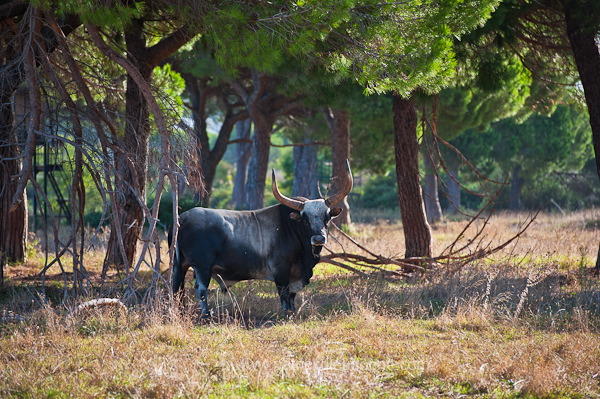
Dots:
(295, 216)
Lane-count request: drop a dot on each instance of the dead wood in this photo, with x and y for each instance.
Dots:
(450, 260)
(99, 303)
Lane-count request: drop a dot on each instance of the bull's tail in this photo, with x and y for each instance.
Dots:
(177, 277)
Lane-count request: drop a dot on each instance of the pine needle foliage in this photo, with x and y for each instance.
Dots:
(383, 45)
(115, 15)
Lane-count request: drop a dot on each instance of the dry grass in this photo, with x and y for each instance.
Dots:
(524, 324)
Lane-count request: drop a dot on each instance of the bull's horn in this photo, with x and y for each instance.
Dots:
(344, 188)
(289, 202)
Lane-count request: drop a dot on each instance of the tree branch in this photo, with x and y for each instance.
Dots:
(13, 9)
(170, 44)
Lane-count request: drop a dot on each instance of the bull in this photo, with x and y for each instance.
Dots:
(281, 243)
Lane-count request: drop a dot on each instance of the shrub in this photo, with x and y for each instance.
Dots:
(379, 192)
(165, 209)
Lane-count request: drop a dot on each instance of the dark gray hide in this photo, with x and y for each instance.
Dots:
(280, 243)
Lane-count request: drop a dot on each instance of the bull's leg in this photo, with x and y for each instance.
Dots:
(178, 278)
(180, 268)
(286, 297)
(294, 287)
(292, 304)
(202, 280)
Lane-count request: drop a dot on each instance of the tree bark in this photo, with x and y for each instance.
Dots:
(452, 184)
(198, 93)
(243, 151)
(2, 262)
(584, 45)
(305, 171)
(13, 222)
(433, 209)
(264, 105)
(417, 233)
(132, 163)
(339, 125)
(516, 183)
(210, 158)
(259, 162)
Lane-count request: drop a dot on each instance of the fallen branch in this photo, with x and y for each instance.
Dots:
(100, 302)
(413, 264)
(371, 263)
(456, 258)
(406, 265)
(8, 316)
(326, 259)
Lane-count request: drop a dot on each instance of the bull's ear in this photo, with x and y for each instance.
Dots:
(295, 216)
(334, 212)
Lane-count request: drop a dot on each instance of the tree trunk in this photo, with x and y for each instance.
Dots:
(516, 183)
(243, 151)
(259, 162)
(260, 112)
(2, 262)
(132, 163)
(339, 124)
(264, 104)
(210, 157)
(198, 93)
(433, 209)
(417, 233)
(13, 222)
(305, 171)
(587, 58)
(453, 187)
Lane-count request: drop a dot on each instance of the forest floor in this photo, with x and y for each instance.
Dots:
(522, 323)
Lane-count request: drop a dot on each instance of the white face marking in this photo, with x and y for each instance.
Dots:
(316, 212)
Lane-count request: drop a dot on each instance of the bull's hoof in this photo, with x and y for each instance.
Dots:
(206, 313)
(288, 314)
(204, 318)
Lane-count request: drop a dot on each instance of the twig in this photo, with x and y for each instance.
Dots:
(325, 259)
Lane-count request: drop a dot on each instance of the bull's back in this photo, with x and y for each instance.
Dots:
(234, 241)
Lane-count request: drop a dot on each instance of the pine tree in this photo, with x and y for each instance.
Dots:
(15, 48)
(404, 47)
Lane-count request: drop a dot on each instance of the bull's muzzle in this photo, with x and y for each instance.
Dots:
(318, 241)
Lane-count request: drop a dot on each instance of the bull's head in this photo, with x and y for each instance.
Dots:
(316, 214)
